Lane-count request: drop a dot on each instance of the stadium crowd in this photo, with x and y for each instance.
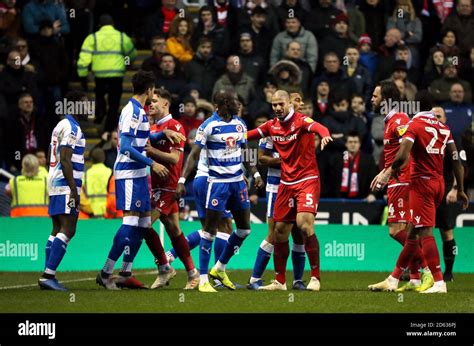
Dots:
(332, 53)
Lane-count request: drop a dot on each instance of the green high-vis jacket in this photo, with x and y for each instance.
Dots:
(109, 51)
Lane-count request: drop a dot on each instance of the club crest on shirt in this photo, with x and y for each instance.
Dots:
(214, 202)
(138, 203)
(402, 129)
(239, 128)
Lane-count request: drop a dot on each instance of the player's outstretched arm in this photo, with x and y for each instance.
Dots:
(321, 130)
(188, 167)
(458, 171)
(401, 159)
(254, 134)
(127, 149)
(65, 154)
(172, 136)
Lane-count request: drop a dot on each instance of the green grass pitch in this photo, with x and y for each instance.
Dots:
(341, 292)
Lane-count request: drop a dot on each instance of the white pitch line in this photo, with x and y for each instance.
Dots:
(63, 282)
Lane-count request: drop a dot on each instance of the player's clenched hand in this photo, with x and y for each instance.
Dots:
(380, 181)
(464, 199)
(180, 191)
(259, 183)
(174, 137)
(160, 170)
(452, 196)
(325, 141)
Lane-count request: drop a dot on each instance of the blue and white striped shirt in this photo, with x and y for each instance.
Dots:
(223, 143)
(67, 133)
(273, 175)
(133, 122)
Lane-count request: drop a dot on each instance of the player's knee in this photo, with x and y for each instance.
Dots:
(144, 222)
(242, 233)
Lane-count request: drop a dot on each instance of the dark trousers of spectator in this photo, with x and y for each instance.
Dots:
(113, 88)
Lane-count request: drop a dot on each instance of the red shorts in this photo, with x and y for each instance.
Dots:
(302, 197)
(425, 197)
(164, 201)
(398, 203)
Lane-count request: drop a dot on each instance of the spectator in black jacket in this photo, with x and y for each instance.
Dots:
(260, 33)
(319, 19)
(375, 13)
(340, 121)
(293, 53)
(291, 5)
(433, 68)
(253, 64)
(358, 73)
(15, 80)
(205, 68)
(209, 27)
(349, 174)
(170, 79)
(25, 133)
(337, 79)
(387, 53)
(338, 39)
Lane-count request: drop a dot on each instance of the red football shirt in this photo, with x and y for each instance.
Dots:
(171, 181)
(294, 140)
(429, 138)
(395, 127)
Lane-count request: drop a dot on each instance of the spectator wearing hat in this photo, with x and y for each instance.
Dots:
(259, 32)
(338, 39)
(271, 23)
(458, 111)
(461, 22)
(368, 58)
(253, 64)
(294, 31)
(205, 67)
(387, 52)
(293, 54)
(291, 5)
(441, 87)
(319, 19)
(399, 73)
(404, 19)
(37, 11)
(287, 76)
(358, 73)
(236, 78)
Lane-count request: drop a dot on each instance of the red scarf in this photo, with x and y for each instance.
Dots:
(350, 182)
(168, 16)
(222, 13)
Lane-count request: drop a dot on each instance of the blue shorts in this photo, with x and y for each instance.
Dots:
(271, 198)
(58, 206)
(133, 194)
(233, 196)
(200, 190)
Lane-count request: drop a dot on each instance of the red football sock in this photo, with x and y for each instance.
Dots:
(430, 251)
(154, 244)
(401, 237)
(281, 251)
(181, 246)
(423, 259)
(404, 259)
(415, 264)
(311, 246)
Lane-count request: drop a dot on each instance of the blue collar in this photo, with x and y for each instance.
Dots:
(71, 119)
(136, 103)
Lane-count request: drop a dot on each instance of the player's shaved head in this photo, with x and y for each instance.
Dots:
(281, 104)
(439, 113)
